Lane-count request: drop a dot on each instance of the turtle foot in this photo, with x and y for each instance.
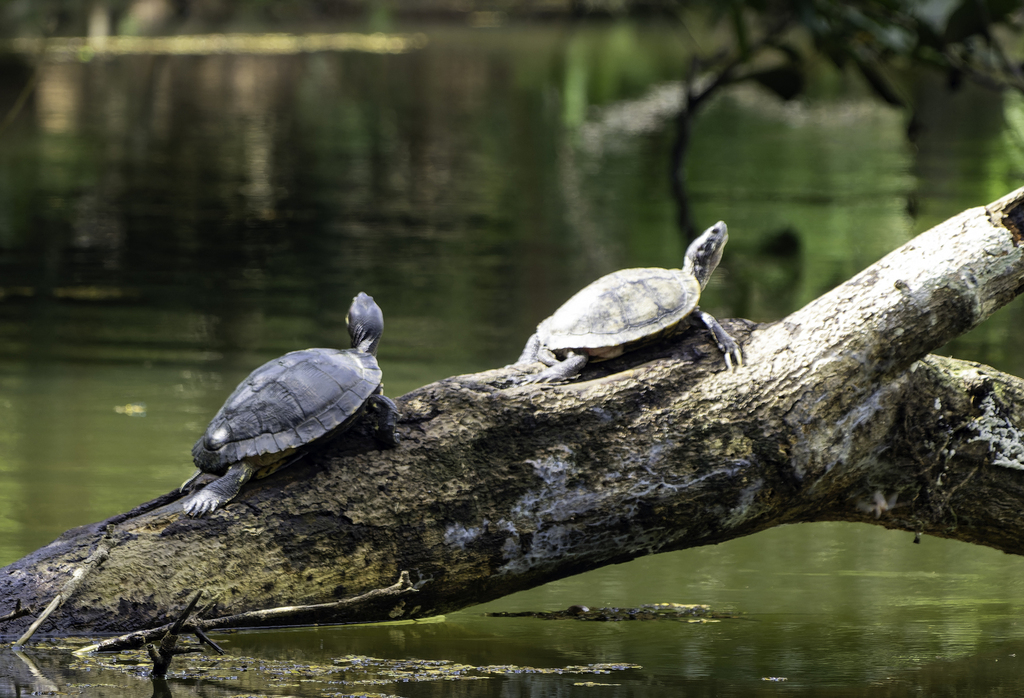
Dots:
(220, 491)
(560, 371)
(733, 356)
(202, 503)
(525, 376)
(538, 378)
(546, 377)
(726, 344)
(387, 419)
(529, 354)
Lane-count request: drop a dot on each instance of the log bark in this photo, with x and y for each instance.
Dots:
(497, 488)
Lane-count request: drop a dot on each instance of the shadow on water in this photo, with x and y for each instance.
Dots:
(167, 223)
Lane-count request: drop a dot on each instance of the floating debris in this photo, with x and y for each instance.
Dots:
(84, 49)
(691, 613)
(16, 292)
(345, 676)
(132, 409)
(94, 293)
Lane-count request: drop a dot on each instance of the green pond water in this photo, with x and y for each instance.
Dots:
(168, 223)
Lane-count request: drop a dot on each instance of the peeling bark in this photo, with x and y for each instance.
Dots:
(497, 488)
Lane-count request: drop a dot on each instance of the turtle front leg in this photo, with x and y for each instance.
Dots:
(220, 491)
(547, 357)
(562, 370)
(726, 344)
(187, 485)
(386, 414)
(530, 351)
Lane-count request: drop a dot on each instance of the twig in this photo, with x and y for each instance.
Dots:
(162, 657)
(18, 612)
(176, 628)
(57, 601)
(92, 562)
(263, 617)
(206, 640)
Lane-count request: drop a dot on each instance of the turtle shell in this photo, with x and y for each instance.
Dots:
(626, 307)
(287, 403)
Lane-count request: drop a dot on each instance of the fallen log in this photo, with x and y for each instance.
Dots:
(838, 414)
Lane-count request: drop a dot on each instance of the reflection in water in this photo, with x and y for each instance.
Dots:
(836, 609)
(170, 222)
(57, 98)
(20, 674)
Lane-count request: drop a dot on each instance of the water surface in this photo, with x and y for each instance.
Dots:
(167, 223)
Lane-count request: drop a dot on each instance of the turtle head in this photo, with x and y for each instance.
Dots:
(365, 323)
(704, 253)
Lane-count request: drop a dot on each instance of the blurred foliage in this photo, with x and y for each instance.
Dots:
(967, 39)
(774, 43)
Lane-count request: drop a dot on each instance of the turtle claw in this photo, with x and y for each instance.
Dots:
(220, 491)
(527, 378)
(738, 355)
(560, 371)
(390, 440)
(202, 503)
(733, 357)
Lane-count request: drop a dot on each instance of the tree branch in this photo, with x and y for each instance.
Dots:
(95, 559)
(317, 614)
(699, 88)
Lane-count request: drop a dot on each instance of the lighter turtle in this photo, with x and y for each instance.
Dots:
(628, 309)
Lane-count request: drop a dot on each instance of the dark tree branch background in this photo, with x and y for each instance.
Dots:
(775, 43)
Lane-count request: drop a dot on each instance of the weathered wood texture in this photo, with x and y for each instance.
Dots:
(497, 488)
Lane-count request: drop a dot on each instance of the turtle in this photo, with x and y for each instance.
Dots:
(627, 309)
(289, 402)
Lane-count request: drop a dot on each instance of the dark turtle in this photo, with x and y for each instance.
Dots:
(628, 309)
(289, 402)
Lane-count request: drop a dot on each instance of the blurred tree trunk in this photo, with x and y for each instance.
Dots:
(839, 414)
